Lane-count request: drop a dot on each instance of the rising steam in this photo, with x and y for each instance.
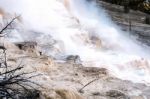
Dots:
(78, 27)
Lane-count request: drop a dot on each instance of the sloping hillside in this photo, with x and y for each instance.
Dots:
(133, 22)
(70, 79)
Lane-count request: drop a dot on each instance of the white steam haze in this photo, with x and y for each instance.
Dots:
(77, 27)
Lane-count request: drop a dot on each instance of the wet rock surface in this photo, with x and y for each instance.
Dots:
(63, 80)
(133, 22)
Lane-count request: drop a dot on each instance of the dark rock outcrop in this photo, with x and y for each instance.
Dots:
(141, 5)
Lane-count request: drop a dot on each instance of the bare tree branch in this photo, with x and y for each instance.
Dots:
(7, 25)
(11, 79)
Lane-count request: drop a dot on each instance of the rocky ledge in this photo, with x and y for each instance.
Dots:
(69, 79)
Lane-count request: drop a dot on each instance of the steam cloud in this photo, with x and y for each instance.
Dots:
(78, 27)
